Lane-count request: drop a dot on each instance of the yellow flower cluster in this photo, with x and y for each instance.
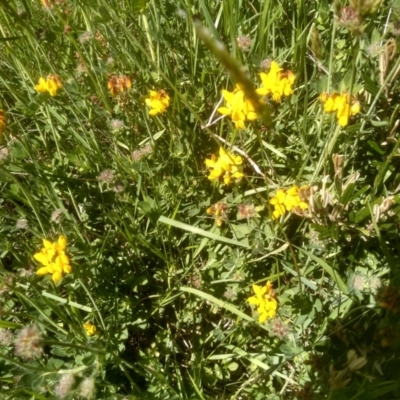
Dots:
(90, 328)
(344, 106)
(287, 200)
(276, 83)
(265, 301)
(239, 108)
(158, 102)
(51, 84)
(53, 258)
(119, 84)
(2, 122)
(218, 210)
(225, 165)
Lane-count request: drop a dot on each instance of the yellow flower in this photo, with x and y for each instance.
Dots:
(90, 328)
(51, 85)
(344, 106)
(237, 107)
(41, 87)
(264, 301)
(288, 200)
(54, 259)
(276, 83)
(226, 166)
(158, 102)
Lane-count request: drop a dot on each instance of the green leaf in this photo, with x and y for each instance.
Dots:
(202, 232)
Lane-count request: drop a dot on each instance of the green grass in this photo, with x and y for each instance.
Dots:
(164, 285)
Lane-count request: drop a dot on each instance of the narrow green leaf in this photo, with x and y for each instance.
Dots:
(202, 232)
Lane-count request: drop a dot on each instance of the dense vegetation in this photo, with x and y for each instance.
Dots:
(199, 199)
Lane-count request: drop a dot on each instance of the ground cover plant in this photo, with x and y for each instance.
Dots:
(199, 199)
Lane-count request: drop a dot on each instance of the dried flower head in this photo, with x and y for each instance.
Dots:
(56, 216)
(195, 280)
(6, 337)
(279, 329)
(218, 211)
(246, 211)
(29, 343)
(349, 16)
(27, 272)
(244, 42)
(118, 188)
(64, 386)
(119, 84)
(266, 64)
(106, 176)
(138, 154)
(358, 282)
(229, 294)
(4, 153)
(2, 122)
(87, 389)
(116, 124)
(374, 283)
(85, 37)
(389, 297)
(21, 223)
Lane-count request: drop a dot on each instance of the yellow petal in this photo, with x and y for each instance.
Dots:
(42, 258)
(41, 87)
(57, 275)
(62, 243)
(42, 271)
(253, 300)
(224, 110)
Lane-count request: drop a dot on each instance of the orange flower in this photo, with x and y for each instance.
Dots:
(119, 84)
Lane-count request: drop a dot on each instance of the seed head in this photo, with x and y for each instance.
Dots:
(279, 329)
(266, 64)
(118, 188)
(138, 154)
(358, 282)
(86, 37)
(87, 389)
(64, 386)
(229, 294)
(374, 283)
(246, 211)
(244, 42)
(6, 337)
(106, 176)
(116, 124)
(28, 343)
(22, 223)
(4, 153)
(56, 216)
